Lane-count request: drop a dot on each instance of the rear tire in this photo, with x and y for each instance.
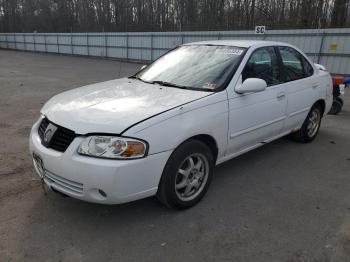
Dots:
(309, 130)
(337, 106)
(186, 176)
(341, 101)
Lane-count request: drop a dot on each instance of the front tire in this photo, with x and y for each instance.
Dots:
(186, 176)
(309, 130)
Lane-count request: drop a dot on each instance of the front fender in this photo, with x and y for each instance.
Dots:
(207, 116)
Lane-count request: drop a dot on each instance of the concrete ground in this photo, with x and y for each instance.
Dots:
(282, 202)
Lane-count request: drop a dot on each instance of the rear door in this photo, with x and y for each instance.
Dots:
(300, 86)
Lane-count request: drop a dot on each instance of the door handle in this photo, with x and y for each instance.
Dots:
(315, 85)
(281, 95)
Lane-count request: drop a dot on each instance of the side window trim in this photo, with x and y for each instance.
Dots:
(280, 64)
(305, 60)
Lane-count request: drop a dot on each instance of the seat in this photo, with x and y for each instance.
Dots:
(262, 71)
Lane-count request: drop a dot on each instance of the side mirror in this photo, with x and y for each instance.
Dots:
(143, 67)
(251, 85)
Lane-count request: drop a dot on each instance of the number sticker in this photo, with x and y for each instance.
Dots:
(230, 51)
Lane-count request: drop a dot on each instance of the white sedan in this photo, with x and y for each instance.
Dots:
(162, 131)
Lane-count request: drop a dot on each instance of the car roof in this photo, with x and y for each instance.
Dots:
(239, 43)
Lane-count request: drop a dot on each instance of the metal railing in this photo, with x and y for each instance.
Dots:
(330, 47)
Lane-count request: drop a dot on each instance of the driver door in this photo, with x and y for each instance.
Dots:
(255, 118)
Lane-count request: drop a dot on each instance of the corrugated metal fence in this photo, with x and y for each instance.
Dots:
(330, 47)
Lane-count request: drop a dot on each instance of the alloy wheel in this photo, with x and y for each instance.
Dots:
(191, 177)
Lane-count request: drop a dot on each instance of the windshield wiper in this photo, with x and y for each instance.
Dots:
(161, 83)
(164, 83)
(139, 78)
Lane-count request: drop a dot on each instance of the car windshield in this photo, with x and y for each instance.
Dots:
(203, 67)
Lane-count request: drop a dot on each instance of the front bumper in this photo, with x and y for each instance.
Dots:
(85, 178)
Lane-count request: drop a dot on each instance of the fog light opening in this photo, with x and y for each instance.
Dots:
(102, 193)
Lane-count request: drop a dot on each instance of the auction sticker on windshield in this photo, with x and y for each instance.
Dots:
(231, 51)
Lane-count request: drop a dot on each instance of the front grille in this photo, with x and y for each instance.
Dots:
(63, 183)
(62, 138)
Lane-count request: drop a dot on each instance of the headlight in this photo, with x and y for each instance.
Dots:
(113, 147)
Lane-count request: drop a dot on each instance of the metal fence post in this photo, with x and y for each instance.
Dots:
(34, 42)
(58, 44)
(151, 47)
(45, 43)
(87, 44)
(15, 39)
(25, 42)
(321, 46)
(264, 36)
(7, 42)
(106, 47)
(71, 43)
(219, 36)
(127, 46)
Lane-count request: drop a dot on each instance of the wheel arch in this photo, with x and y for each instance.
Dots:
(207, 140)
(322, 104)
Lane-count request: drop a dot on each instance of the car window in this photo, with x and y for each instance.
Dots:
(293, 68)
(263, 64)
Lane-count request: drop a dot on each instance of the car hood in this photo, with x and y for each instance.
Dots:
(113, 106)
